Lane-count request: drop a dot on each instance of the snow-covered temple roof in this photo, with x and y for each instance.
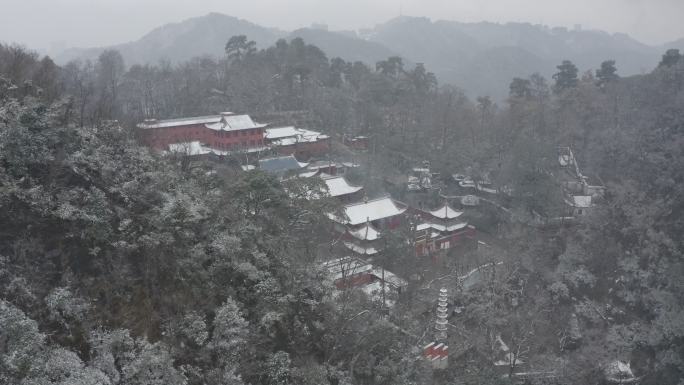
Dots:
(372, 210)
(363, 250)
(365, 233)
(441, 228)
(154, 123)
(280, 132)
(446, 212)
(580, 201)
(280, 164)
(234, 123)
(346, 267)
(284, 136)
(225, 121)
(338, 186)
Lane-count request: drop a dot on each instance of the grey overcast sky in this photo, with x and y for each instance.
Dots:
(45, 24)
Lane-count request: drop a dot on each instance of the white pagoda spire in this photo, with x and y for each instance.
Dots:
(441, 322)
(437, 353)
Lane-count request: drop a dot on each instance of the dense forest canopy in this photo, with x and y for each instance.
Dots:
(119, 265)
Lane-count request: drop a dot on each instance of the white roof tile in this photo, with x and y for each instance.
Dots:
(579, 201)
(280, 132)
(153, 123)
(285, 136)
(234, 122)
(360, 249)
(365, 233)
(307, 174)
(372, 210)
(338, 186)
(446, 212)
(438, 227)
(582, 200)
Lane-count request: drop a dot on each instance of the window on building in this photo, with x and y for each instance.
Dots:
(444, 245)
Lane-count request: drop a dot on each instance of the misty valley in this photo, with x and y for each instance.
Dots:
(220, 203)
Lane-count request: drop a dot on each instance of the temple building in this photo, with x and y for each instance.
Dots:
(224, 132)
(227, 133)
(339, 188)
(282, 166)
(363, 241)
(382, 213)
(361, 224)
(302, 143)
(442, 229)
(356, 142)
(352, 272)
(326, 167)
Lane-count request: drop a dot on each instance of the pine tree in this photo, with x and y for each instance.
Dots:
(566, 77)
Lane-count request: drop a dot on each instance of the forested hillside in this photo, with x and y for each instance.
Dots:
(120, 265)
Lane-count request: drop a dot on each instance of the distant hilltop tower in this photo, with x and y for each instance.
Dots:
(437, 352)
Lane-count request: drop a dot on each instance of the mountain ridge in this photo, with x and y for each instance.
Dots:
(178, 41)
(479, 57)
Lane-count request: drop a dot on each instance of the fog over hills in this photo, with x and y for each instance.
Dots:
(373, 201)
(344, 45)
(478, 57)
(205, 35)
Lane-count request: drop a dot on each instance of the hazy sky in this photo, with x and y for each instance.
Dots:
(42, 24)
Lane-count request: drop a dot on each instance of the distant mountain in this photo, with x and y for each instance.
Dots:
(205, 35)
(481, 58)
(344, 45)
(677, 44)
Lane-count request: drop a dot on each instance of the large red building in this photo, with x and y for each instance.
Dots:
(224, 132)
(228, 132)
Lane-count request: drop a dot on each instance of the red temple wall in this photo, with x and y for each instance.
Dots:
(160, 138)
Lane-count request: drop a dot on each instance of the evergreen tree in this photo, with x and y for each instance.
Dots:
(566, 77)
(607, 73)
(238, 47)
(520, 88)
(670, 58)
